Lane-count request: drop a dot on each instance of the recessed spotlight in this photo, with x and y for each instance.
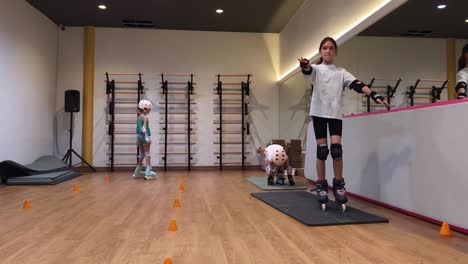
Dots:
(103, 7)
(442, 6)
(219, 11)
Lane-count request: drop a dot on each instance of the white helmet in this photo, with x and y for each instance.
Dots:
(145, 104)
(277, 155)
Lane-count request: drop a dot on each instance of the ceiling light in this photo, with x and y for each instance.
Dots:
(219, 11)
(102, 7)
(466, 20)
(442, 6)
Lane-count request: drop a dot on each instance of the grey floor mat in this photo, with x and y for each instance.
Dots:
(46, 163)
(44, 179)
(261, 182)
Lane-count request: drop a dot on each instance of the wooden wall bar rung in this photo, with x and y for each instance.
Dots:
(126, 82)
(229, 83)
(124, 73)
(232, 143)
(233, 75)
(178, 83)
(429, 80)
(387, 80)
(176, 93)
(178, 143)
(178, 75)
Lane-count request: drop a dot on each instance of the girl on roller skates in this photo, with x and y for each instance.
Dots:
(326, 110)
(144, 141)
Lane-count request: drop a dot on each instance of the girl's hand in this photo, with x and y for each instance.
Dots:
(385, 103)
(377, 98)
(303, 61)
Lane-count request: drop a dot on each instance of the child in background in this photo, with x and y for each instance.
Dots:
(144, 141)
(277, 162)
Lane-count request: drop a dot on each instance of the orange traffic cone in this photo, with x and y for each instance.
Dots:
(107, 178)
(26, 204)
(168, 260)
(182, 187)
(181, 177)
(445, 230)
(76, 188)
(172, 226)
(176, 203)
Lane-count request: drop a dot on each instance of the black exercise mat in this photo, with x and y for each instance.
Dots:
(303, 207)
(45, 164)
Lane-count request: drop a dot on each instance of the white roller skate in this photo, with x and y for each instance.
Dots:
(138, 173)
(149, 174)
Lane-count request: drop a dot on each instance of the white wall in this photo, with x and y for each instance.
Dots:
(70, 77)
(153, 52)
(28, 60)
(294, 105)
(411, 159)
(318, 19)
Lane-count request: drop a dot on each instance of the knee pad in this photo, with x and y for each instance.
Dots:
(322, 152)
(148, 154)
(336, 151)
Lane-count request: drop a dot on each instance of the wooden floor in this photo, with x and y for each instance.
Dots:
(126, 221)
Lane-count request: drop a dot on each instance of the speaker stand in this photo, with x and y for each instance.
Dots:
(68, 157)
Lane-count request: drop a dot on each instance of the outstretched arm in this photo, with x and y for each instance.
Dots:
(305, 66)
(360, 87)
(377, 98)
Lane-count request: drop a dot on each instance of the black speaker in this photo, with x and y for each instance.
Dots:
(72, 101)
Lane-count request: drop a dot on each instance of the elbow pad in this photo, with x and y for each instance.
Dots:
(357, 86)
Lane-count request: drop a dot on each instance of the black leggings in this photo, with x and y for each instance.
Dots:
(335, 127)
